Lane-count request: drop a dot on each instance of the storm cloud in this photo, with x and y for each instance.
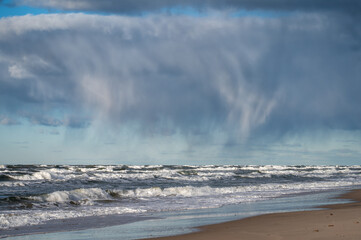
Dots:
(181, 74)
(126, 6)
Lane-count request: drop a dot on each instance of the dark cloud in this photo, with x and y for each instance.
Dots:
(45, 121)
(125, 6)
(77, 123)
(168, 75)
(49, 121)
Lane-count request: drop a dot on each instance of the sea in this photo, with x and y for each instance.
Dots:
(48, 195)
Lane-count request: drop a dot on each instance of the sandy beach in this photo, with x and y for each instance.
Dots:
(341, 221)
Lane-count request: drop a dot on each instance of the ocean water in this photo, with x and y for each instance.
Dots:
(39, 194)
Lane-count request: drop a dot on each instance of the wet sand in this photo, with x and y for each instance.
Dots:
(340, 221)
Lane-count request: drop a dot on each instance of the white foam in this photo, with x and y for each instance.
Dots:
(42, 175)
(273, 190)
(25, 218)
(81, 194)
(12, 184)
(194, 174)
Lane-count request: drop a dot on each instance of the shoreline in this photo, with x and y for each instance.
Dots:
(123, 227)
(336, 221)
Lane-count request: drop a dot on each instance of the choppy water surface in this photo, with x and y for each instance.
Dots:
(34, 194)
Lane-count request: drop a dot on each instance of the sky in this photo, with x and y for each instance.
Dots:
(180, 82)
